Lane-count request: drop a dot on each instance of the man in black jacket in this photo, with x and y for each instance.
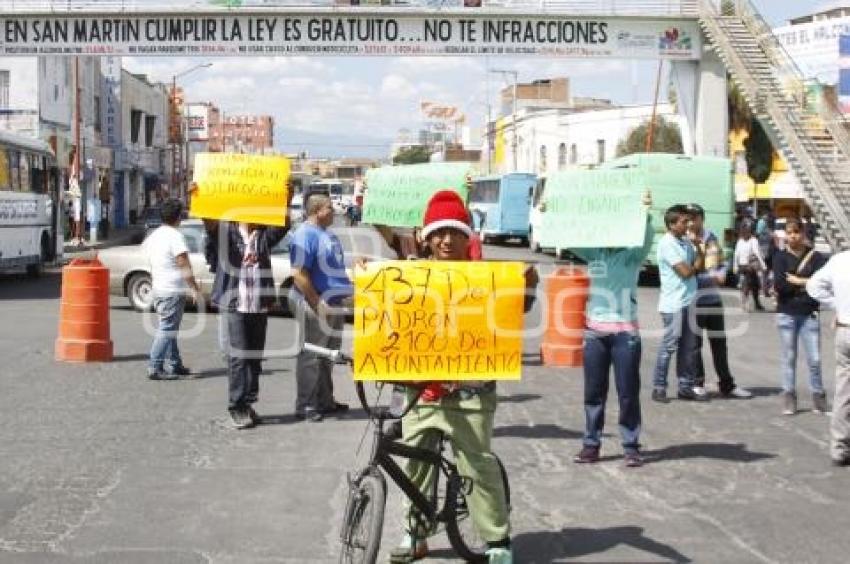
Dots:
(240, 256)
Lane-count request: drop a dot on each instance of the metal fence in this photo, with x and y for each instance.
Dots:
(646, 8)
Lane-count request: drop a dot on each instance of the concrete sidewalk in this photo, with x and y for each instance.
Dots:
(117, 237)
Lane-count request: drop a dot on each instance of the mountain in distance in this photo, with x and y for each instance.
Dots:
(330, 145)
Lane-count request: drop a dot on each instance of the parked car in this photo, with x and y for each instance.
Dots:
(129, 270)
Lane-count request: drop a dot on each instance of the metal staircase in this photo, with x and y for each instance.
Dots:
(814, 141)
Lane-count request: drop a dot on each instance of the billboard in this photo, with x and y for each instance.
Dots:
(377, 32)
(198, 122)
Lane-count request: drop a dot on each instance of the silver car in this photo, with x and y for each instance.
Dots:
(130, 275)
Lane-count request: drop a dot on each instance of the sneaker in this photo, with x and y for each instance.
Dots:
(252, 415)
(311, 415)
(789, 403)
(737, 393)
(500, 556)
(180, 371)
(819, 402)
(587, 455)
(337, 408)
(239, 419)
(633, 459)
(660, 395)
(160, 375)
(841, 461)
(700, 391)
(408, 550)
(687, 394)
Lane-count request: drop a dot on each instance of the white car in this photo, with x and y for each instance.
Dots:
(130, 276)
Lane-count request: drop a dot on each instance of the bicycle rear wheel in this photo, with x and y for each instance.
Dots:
(364, 520)
(463, 536)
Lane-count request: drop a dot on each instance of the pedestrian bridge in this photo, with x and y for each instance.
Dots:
(626, 8)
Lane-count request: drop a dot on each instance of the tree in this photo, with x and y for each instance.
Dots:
(412, 155)
(740, 115)
(759, 153)
(666, 138)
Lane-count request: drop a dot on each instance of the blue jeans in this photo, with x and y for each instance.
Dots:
(164, 349)
(805, 328)
(601, 351)
(678, 339)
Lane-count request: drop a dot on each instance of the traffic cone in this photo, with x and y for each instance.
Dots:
(84, 313)
(567, 290)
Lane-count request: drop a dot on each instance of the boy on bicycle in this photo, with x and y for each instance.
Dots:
(464, 414)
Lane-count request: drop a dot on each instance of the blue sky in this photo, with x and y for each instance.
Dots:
(355, 106)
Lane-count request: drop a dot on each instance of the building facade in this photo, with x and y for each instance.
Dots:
(240, 133)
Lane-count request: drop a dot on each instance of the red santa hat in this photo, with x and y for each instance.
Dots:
(446, 209)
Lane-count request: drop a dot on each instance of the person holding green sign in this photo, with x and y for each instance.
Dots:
(612, 338)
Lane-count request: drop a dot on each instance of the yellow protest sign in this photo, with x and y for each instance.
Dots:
(246, 188)
(438, 320)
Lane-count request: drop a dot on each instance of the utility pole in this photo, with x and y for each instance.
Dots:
(515, 136)
(78, 147)
(176, 130)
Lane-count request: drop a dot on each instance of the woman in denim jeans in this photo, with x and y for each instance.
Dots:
(797, 315)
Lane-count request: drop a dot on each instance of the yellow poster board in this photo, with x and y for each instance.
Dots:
(244, 188)
(438, 320)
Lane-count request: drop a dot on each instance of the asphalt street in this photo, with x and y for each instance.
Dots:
(99, 465)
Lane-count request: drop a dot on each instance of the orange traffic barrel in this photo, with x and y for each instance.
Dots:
(84, 313)
(567, 289)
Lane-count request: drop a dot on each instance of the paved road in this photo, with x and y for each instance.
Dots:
(98, 464)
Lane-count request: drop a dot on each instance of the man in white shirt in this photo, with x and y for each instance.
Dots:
(173, 281)
(831, 287)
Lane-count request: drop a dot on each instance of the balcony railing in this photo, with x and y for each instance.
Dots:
(645, 8)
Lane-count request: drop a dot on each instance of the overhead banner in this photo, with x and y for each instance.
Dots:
(594, 209)
(244, 188)
(438, 320)
(397, 195)
(323, 32)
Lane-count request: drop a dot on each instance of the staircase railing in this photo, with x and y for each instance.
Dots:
(787, 71)
(763, 97)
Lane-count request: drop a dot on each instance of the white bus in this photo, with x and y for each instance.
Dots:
(28, 203)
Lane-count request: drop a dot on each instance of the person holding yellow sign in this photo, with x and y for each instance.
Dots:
(462, 412)
(239, 254)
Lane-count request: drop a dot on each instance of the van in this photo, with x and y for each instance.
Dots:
(500, 206)
(680, 179)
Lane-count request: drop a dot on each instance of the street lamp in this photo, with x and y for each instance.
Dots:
(177, 128)
(515, 75)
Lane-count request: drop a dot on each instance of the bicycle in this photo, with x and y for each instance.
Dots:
(363, 520)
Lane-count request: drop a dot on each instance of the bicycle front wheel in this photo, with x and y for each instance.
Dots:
(463, 536)
(364, 520)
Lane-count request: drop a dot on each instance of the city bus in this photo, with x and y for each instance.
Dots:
(29, 210)
(500, 206)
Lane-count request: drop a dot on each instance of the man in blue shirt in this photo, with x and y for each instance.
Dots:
(321, 284)
(612, 338)
(679, 261)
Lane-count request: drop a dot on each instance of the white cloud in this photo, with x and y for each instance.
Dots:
(396, 86)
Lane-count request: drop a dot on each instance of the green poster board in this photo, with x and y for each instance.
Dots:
(594, 209)
(397, 195)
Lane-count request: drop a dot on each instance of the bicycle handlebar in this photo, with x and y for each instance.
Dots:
(338, 357)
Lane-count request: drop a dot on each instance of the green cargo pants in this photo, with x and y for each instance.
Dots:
(468, 426)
